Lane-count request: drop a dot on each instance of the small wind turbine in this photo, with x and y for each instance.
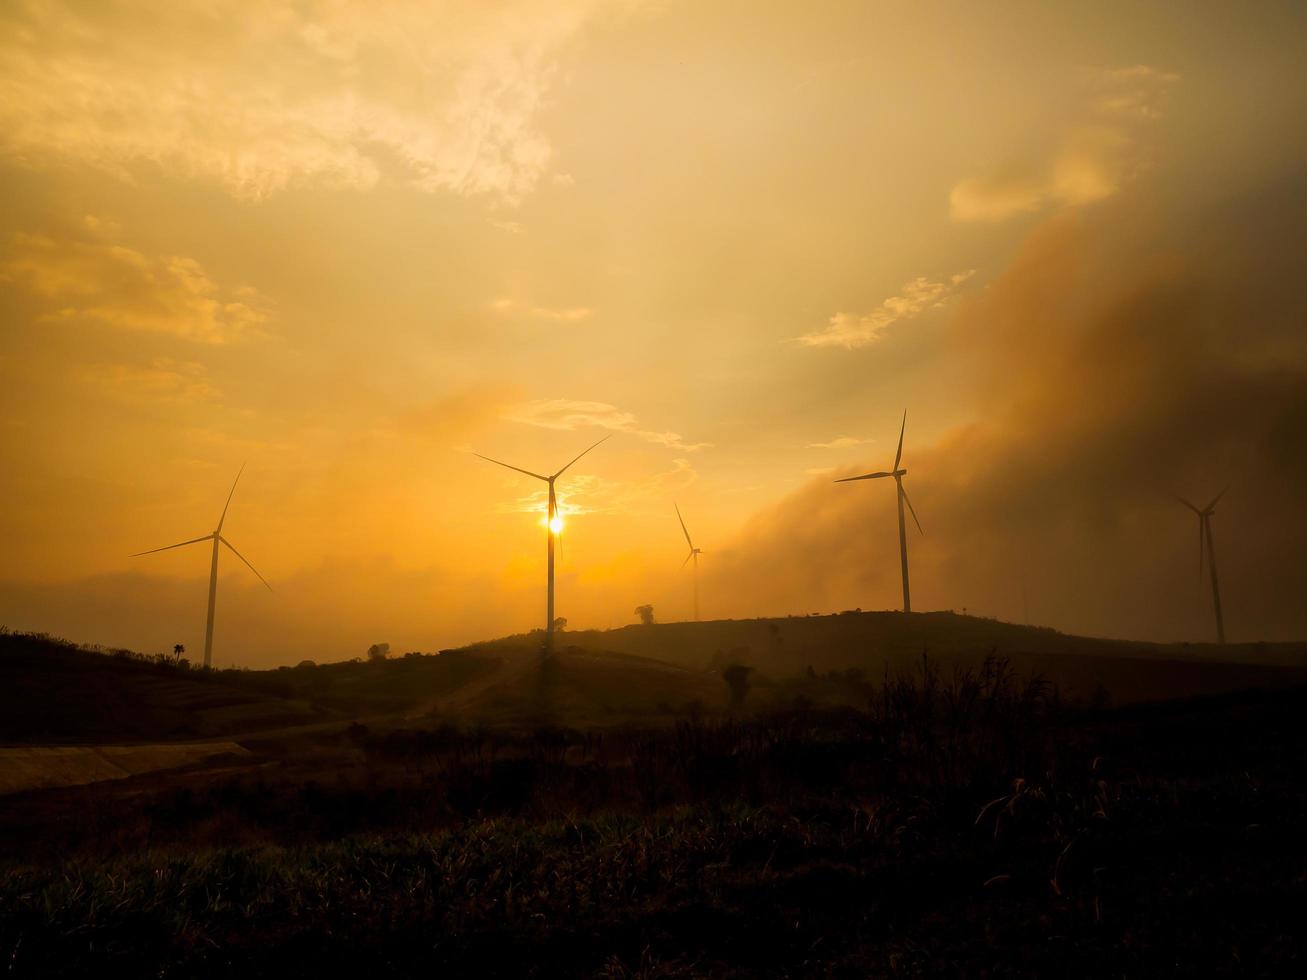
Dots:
(898, 475)
(553, 526)
(693, 555)
(217, 538)
(1207, 551)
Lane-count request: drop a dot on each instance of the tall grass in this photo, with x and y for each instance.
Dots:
(967, 824)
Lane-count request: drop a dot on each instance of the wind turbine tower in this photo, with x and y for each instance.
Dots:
(898, 475)
(1207, 552)
(553, 525)
(692, 556)
(217, 539)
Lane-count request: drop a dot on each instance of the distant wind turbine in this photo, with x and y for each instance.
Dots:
(898, 475)
(553, 525)
(1207, 551)
(693, 555)
(217, 538)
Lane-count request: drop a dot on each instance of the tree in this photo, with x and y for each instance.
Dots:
(560, 624)
(646, 614)
(378, 652)
(177, 650)
(736, 677)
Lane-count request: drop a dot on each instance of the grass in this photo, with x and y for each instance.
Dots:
(40, 767)
(956, 823)
(54, 692)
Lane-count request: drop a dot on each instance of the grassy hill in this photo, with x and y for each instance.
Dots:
(580, 689)
(846, 640)
(1008, 838)
(436, 814)
(54, 692)
(874, 643)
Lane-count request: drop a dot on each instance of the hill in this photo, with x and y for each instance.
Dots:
(1008, 838)
(435, 811)
(579, 688)
(874, 643)
(54, 692)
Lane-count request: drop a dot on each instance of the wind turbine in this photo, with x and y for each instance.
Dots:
(553, 526)
(694, 554)
(217, 538)
(1207, 550)
(898, 475)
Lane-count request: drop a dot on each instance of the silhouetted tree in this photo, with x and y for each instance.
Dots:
(560, 623)
(736, 677)
(378, 652)
(177, 650)
(646, 614)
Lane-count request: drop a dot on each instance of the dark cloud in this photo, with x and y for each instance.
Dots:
(1116, 366)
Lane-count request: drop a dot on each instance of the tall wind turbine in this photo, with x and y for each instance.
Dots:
(693, 555)
(1207, 550)
(217, 538)
(553, 526)
(898, 475)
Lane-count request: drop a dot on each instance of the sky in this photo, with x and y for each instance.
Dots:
(349, 245)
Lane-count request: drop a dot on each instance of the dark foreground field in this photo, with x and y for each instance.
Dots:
(948, 823)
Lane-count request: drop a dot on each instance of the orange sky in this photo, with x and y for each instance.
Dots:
(346, 245)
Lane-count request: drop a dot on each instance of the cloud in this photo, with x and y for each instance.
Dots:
(568, 314)
(1092, 159)
(586, 493)
(261, 96)
(456, 414)
(1138, 92)
(996, 198)
(681, 476)
(163, 379)
(118, 286)
(849, 330)
(1115, 364)
(839, 442)
(566, 415)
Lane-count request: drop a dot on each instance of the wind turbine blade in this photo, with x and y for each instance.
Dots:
(244, 559)
(687, 559)
(683, 527)
(207, 537)
(867, 476)
(1187, 504)
(518, 468)
(568, 466)
(908, 501)
(899, 455)
(229, 496)
(1209, 507)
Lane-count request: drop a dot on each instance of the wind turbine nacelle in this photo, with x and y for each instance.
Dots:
(899, 473)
